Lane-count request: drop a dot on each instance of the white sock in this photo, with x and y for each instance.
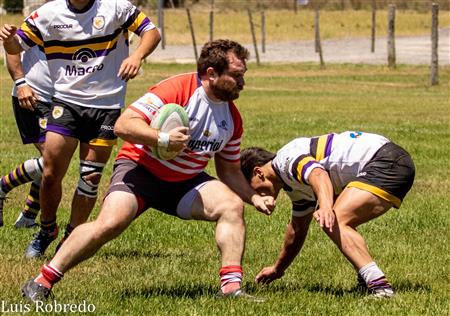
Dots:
(370, 272)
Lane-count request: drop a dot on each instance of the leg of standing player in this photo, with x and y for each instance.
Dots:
(58, 153)
(92, 160)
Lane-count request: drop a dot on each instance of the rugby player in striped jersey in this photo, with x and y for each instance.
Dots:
(86, 46)
(342, 181)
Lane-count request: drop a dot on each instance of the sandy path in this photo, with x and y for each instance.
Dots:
(410, 50)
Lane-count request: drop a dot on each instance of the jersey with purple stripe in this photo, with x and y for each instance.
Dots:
(85, 48)
(342, 155)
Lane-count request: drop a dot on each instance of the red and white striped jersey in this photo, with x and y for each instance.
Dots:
(214, 127)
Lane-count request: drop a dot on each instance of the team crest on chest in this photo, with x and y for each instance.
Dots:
(57, 112)
(98, 22)
(206, 133)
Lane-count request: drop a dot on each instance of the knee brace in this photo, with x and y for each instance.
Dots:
(90, 174)
(33, 167)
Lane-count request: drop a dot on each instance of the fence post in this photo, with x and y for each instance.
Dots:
(318, 45)
(434, 80)
(263, 31)
(391, 36)
(252, 29)
(211, 21)
(374, 25)
(191, 27)
(161, 23)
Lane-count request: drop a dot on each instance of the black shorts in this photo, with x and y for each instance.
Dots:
(31, 124)
(389, 174)
(88, 125)
(150, 191)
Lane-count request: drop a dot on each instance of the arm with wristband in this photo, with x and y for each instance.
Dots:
(25, 94)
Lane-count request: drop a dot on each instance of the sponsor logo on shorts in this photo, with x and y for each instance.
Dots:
(57, 112)
(107, 127)
(98, 22)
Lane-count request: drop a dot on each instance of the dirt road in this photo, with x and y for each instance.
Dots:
(409, 50)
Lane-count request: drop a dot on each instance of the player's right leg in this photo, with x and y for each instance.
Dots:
(118, 211)
(58, 152)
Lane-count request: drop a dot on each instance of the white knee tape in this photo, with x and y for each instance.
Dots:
(88, 169)
(33, 167)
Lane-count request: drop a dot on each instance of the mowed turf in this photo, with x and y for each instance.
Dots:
(163, 265)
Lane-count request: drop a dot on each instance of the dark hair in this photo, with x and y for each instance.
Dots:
(214, 54)
(254, 157)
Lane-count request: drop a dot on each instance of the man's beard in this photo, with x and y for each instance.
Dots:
(225, 90)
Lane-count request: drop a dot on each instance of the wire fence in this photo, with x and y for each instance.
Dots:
(17, 6)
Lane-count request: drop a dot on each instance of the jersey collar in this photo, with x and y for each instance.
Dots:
(75, 10)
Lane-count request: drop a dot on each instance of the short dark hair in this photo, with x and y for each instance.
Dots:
(254, 157)
(214, 54)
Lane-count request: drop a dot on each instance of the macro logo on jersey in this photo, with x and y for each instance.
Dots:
(83, 55)
(98, 22)
(57, 112)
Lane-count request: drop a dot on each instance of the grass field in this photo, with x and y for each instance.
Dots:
(165, 266)
(284, 25)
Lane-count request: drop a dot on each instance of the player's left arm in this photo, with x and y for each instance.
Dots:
(229, 172)
(131, 65)
(321, 184)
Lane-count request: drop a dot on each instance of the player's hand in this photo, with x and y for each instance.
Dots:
(264, 204)
(178, 139)
(325, 217)
(268, 274)
(7, 32)
(27, 97)
(129, 68)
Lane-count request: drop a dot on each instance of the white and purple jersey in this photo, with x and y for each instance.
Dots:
(37, 76)
(342, 155)
(85, 48)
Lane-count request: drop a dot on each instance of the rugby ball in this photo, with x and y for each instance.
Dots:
(168, 117)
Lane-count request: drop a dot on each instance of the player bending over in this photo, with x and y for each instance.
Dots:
(342, 181)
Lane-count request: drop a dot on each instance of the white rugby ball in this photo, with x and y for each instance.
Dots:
(168, 117)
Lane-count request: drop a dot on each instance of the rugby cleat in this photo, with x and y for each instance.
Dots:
(40, 243)
(35, 292)
(25, 222)
(380, 288)
(240, 294)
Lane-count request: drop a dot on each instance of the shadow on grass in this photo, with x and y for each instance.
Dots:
(338, 291)
(179, 291)
(408, 286)
(124, 254)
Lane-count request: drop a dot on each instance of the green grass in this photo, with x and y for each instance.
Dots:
(165, 266)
